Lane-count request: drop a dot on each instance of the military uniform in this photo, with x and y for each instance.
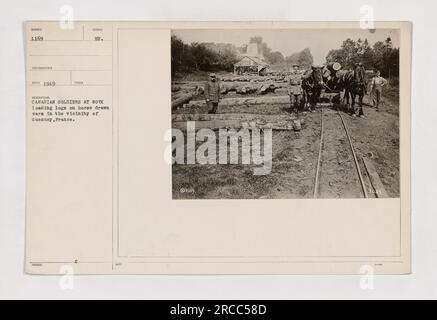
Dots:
(295, 90)
(212, 94)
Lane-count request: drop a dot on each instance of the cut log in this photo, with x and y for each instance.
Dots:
(374, 179)
(282, 91)
(200, 90)
(175, 88)
(268, 87)
(241, 90)
(231, 116)
(248, 88)
(236, 121)
(236, 124)
(181, 100)
(228, 87)
(245, 101)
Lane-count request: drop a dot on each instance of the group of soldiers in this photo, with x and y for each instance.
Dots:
(302, 99)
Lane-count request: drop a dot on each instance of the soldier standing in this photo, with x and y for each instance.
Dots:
(295, 90)
(376, 88)
(212, 93)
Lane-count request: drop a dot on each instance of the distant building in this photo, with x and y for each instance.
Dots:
(250, 65)
(251, 62)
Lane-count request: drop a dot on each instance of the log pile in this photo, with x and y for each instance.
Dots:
(184, 92)
(247, 78)
(237, 121)
(266, 88)
(229, 116)
(181, 100)
(245, 89)
(285, 99)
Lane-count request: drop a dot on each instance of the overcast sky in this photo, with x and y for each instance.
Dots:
(288, 41)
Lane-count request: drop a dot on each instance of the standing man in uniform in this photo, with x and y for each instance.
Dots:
(295, 89)
(376, 88)
(212, 93)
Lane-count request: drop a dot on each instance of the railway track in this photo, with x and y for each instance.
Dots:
(338, 173)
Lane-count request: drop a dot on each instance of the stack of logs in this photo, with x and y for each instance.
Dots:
(182, 95)
(238, 121)
(190, 96)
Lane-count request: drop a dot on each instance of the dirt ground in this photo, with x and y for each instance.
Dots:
(295, 158)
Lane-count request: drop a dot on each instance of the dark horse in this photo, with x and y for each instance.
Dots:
(353, 89)
(312, 85)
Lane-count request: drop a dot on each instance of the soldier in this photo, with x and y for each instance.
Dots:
(212, 93)
(376, 88)
(295, 90)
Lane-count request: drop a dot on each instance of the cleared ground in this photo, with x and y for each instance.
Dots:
(295, 158)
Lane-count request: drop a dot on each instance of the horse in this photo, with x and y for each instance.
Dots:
(352, 90)
(312, 85)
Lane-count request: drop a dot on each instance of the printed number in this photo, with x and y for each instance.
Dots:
(49, 84)
(377, 192)
(37, 38)
(240, 309)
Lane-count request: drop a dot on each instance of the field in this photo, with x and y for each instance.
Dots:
(295, 153)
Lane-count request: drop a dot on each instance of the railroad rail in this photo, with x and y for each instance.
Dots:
(319, 159)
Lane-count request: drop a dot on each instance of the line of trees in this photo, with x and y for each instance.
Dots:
(381, 56)
(303, 58)
(186, 58)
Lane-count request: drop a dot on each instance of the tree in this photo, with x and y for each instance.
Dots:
(187, 58)
(386, 58)
(275, 57)
(382, 56)
(366, 54)
(303, 58)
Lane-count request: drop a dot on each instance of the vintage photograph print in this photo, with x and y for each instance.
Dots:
(285, 113)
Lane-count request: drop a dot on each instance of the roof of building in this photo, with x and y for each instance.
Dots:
(245, 61)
